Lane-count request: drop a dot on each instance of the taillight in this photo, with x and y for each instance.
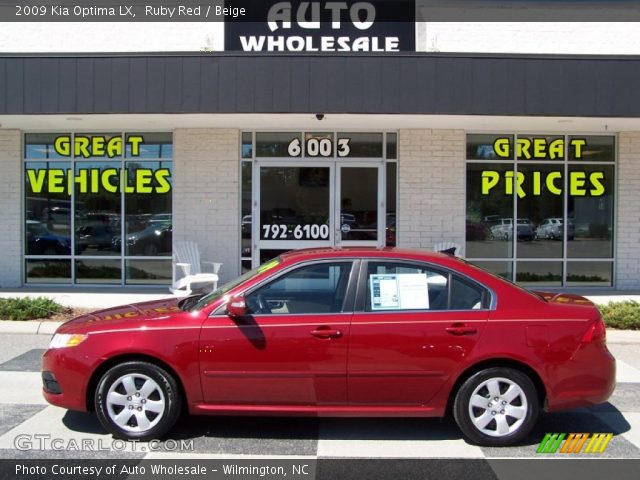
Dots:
(595, 333)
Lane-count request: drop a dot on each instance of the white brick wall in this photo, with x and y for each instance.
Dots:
(613, 38)
(206, 192)
(11, 212)
(628, 215)
(431, 187)
(580, 38)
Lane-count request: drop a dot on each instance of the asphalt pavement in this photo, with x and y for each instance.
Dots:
(24, 413)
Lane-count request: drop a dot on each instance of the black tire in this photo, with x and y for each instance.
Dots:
(462, 411)
(165, 390)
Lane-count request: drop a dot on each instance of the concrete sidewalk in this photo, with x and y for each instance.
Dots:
(91, 298)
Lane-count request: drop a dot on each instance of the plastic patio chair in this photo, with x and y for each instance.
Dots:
(186, 257)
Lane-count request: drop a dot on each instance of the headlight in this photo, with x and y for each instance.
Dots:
(62, 340)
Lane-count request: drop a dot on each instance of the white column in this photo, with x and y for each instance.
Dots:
(628, 212)
(206, 194)
(431, 188)
(11, 212)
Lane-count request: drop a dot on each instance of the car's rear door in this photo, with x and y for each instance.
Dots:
(413, 326)
(292, 349)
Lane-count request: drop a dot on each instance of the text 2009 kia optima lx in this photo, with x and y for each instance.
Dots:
(326, 332)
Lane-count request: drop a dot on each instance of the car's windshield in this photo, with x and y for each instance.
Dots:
(198, 302)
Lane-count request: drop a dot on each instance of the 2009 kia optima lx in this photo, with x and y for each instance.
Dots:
(330, 332)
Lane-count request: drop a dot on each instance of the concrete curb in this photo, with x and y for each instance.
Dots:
(624, 337)
(38, 328)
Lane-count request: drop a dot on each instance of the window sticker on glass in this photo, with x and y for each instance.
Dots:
(407, 291)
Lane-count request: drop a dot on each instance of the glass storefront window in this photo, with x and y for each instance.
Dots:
(148, 217)
(358, 203)
(591, 211)
(315, 188)
(318, 144)
(539, 273)
(540, 147)
(48, 271)
(98, 271)
(97, 210)
(489, 222)
(246, 220)
(247, 145)
(276, 144)
(294, 203)
(150, 146)
(148, 272)
(392, 146)
(483, 147)
(562, 187)
(594, 148)
(270, 254)
(391, 229)
(500, 268)
(38, 146)
(47, 208)
(360, 145)
(597, 274)
(109, 185)
(540, 210)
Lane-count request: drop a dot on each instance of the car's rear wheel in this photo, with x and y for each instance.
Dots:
(496, 407)
(137, 400)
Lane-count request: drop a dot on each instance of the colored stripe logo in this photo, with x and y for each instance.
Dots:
(574, 443)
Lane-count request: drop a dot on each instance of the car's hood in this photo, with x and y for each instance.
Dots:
(124, 316)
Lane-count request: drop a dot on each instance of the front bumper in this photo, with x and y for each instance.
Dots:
(65, 374)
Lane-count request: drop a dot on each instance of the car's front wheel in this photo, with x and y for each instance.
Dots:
(137, 400)
(496, 407)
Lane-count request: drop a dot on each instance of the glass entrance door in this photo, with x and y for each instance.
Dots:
(316, 205)
(360, 206)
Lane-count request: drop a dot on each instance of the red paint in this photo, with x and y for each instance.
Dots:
(347, 364)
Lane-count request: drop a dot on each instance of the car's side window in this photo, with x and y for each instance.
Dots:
(404, 286)
(318, 288)
(465, 295)
(394, 286)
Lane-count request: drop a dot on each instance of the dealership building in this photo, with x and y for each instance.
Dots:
(529, 162)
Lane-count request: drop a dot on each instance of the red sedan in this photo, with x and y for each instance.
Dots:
(326, 332)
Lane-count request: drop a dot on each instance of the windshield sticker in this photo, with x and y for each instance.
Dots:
(268, 266)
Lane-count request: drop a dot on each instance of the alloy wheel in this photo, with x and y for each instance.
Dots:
(498, 407)
(135, 402)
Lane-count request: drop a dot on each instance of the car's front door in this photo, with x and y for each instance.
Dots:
(291, 349)
(413, 326)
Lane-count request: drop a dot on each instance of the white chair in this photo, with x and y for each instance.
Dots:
(447, 247)
(186, 256)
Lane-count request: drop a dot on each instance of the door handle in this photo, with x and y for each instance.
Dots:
(326, 333)
(461, 329)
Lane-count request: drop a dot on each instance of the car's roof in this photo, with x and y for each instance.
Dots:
(386, 252)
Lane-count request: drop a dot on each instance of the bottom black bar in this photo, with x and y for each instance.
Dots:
(308, 468)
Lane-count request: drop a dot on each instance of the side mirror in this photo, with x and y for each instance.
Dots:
(237, 307)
